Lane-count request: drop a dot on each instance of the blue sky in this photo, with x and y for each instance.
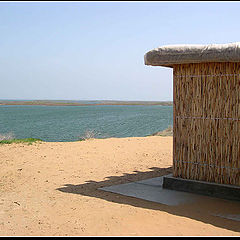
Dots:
(95, 50)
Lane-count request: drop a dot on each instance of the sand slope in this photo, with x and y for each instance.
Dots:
(51, 189)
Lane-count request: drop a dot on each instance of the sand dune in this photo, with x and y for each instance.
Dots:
(51, 189)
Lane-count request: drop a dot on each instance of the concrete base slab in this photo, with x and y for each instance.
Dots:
(152, 190)
(223, 191)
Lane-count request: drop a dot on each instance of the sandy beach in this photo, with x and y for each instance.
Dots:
(51, 189)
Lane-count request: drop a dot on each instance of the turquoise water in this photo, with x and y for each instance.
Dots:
(69, 123)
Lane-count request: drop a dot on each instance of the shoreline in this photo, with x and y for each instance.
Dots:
(30, 141)
(72, 103)
(9, 139)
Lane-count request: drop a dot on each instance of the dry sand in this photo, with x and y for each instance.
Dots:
(51, 189)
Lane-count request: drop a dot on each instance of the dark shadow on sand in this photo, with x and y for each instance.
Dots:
(90, 188)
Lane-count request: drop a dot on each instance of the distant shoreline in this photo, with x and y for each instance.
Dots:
(75, 103)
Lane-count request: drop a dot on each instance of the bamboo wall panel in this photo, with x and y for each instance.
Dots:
(207, 122)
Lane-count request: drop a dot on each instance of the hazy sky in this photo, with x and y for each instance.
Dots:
(95, 50)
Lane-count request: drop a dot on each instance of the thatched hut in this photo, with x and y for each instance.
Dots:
(206, 110)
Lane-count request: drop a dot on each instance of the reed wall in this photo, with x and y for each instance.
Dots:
(206, 128)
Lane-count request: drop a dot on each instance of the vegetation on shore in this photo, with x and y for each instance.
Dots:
(166, 132)
(9, 138)
(23, 140)
(89, 134)
(80, 103)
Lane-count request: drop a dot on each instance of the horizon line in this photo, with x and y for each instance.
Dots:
(85, 100)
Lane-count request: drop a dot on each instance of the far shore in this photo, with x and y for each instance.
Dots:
(78, 103)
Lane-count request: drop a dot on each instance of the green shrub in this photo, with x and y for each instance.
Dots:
(24, 140)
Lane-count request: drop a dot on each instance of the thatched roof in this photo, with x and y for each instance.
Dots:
(170, 55)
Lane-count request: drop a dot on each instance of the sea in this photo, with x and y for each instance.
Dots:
(73, 123)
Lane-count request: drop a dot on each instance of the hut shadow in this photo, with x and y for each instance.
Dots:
(90, 189)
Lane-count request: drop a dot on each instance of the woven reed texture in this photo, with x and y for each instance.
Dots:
(206, 126)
